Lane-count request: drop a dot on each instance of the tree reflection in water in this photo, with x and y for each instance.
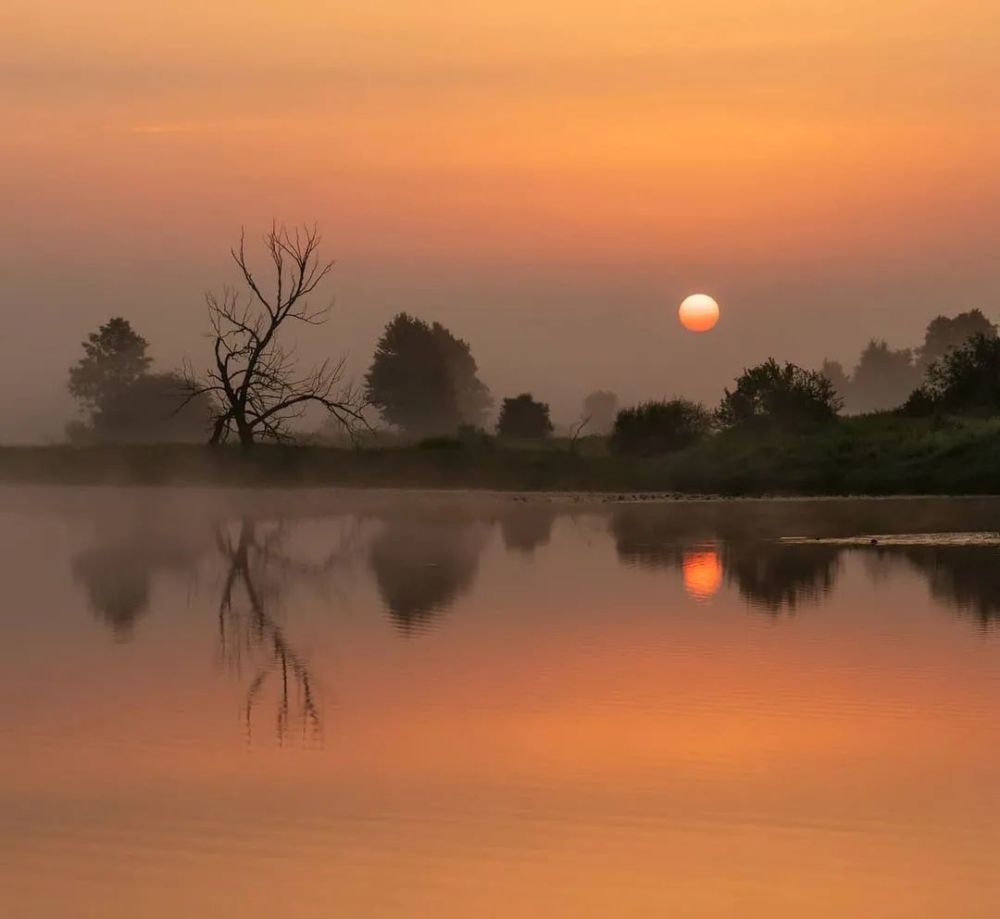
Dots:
(117, 571)
(770, 576)
(526, 528)
(965, 577)
(780, 578)
(261, 566)
(248, 629)
(423, 563)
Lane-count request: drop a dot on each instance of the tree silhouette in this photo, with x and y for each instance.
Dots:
(966, 380)
(598, 413)
(841, 382)
(660, 427)
(114, 359)
(154, 409)
(523, 417)
(256, 383)
(945, 334)
(883, 379)
(783, 396)
(424, 380)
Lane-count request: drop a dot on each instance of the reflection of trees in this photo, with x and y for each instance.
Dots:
(526, 528)
(117, 571)
(260, 567)
(262, 563)
(422, 564)
(648, 540)
(778, 577)
(770, 575)
(965, 577)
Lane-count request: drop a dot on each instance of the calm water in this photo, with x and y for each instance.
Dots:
(308, 705)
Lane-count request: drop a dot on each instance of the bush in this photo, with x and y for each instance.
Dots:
(786, 397)
(659, 427)
(523, 417)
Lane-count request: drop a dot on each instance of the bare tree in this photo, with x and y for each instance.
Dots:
(255, 381)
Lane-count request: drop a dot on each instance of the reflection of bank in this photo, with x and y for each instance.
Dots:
(702, 572)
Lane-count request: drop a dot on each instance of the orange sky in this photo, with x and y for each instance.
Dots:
(827, 167)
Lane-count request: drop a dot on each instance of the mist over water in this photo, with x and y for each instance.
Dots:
(234, 704)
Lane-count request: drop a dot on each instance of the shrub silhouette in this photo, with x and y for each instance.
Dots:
(659, 427)
(523, 417)
(786, 397)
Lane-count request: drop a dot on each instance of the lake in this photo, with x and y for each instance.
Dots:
(308, 704)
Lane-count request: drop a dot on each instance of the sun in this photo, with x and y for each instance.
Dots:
(699, 313)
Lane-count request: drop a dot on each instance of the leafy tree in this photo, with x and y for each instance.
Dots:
(425, 380)
(598, 413)
(785, 396)
(523, 417)
(946, 333)
(965, 381)
(883, 378)
(660, 427)
(114, 358)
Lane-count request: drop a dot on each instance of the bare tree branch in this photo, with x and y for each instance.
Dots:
(255, 381)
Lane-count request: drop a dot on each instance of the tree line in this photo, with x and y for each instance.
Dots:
(424, 381)
(884, 377)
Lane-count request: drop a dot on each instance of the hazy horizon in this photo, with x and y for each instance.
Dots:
(549, 183)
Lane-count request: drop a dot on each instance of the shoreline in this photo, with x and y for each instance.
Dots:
(870, 457)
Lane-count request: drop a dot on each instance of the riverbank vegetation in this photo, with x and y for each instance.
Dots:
(875, 454)
(423, 417)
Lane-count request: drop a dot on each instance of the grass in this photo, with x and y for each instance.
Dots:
(876, 455)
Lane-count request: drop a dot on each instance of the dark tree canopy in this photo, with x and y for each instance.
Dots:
(523, 417)
(965, 381)
(945, 333)
(126, 403)
(883, 379)
(256, 384)
(660, 427)
(154, 409)
(598, 413)
(784, 396)
(114, 358)
(424, 380)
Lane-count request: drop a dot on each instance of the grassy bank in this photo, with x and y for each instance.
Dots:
(878, 455)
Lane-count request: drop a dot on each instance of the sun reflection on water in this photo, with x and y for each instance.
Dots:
(702, 574)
